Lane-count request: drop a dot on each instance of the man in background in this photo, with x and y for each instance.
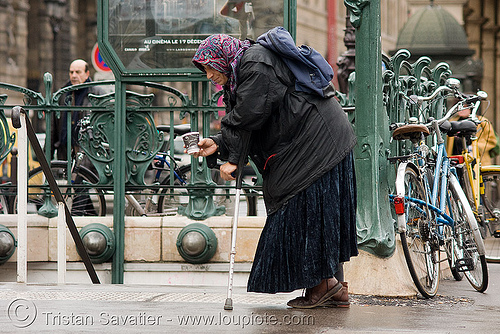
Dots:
(78, 73)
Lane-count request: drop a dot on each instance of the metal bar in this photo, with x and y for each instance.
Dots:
(61, 244)
(22, 203)
(229, 301)
(245, 138)
(119, 183)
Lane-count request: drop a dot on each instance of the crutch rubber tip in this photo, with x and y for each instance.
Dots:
(229, 304)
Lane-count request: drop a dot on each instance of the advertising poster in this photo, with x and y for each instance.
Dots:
(155, 34)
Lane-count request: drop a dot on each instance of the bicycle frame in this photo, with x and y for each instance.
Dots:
(439, 186)
(159, 162)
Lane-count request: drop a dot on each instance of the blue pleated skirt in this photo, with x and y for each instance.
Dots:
(304, 242)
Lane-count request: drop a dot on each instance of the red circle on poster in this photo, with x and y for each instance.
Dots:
(97, 60)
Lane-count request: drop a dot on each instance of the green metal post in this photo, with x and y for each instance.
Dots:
(48, 209)
(47, 78)
(119, 182)
(201, 203)
(374, 221)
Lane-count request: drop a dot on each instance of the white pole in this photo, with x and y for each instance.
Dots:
(61, 244)
(22, 202)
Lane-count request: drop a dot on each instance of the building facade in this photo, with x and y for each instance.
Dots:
(45, 36)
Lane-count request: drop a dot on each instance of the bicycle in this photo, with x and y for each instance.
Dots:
(163, 196)
(86, 198)
(479, 182)
(431, 207)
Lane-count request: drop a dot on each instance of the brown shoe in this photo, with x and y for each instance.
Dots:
(339, 299)
(316, 296)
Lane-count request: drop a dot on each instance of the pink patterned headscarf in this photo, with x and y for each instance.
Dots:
(222, 53)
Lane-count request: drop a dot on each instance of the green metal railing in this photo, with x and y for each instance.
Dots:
(200, 108)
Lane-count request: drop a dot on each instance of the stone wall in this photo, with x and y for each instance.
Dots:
(147, 239)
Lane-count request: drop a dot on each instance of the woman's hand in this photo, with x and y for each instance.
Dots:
(226, 170)
(207, 147)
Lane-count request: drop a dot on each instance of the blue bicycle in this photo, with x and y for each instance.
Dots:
(432, 210)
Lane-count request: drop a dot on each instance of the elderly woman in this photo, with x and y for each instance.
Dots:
(302, 144)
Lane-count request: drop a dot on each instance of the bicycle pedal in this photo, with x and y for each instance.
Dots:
(465, 264)
(496, 234)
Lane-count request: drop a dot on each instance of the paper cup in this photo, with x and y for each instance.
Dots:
(191, 140)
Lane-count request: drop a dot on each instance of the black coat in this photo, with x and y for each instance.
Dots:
(295, 137)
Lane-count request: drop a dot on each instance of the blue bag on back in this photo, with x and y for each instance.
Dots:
(312, 72)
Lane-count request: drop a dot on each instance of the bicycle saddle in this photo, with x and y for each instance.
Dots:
(178, 129)
(410, 131)
(462, 128)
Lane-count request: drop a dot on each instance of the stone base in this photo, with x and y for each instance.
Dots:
(151, 257)
(368, 274)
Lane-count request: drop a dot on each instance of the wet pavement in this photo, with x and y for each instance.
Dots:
(173, 309)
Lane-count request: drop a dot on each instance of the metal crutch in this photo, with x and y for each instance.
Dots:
(228, 305)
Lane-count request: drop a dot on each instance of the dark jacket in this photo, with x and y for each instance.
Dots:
(59, 130)
(296, 137)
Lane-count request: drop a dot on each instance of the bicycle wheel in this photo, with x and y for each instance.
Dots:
(170, 200)
(4, 207)
(421, 252)
(82, 200)
(491, 208)
(468, 245)
(225, 197)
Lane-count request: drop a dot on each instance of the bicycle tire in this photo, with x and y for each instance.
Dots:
(468, 245)
(225, 197)
(4, 206)
(170, 200)
(252, 200)
(80, 201)
(491, 222)
(422, 258)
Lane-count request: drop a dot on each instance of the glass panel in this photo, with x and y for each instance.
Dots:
(153, 34)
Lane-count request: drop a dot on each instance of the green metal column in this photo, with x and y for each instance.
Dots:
(119, 182)
(374, 221)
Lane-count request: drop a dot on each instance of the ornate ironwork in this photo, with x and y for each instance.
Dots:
(7, 139)
(356, 9)
(143, 140)
(404, 78)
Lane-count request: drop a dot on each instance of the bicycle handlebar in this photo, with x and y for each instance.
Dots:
(473, 99)
(476, 100)
(419, 99)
